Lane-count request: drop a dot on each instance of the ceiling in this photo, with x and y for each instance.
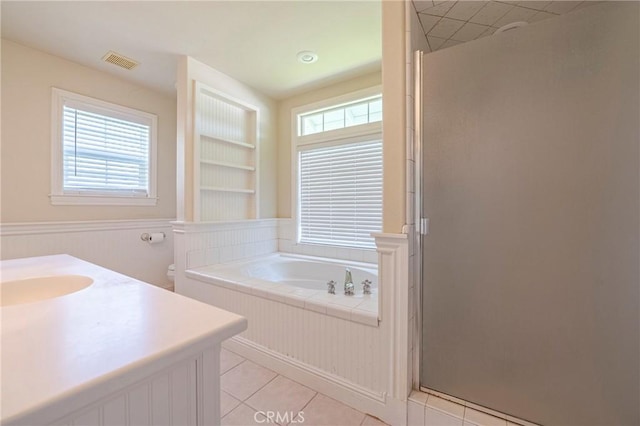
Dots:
(255, 42)
(448, 23)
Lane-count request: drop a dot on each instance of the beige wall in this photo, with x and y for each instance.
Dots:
(284, 129)
(394, 113)
(27, 78)
(393, 80)
(190, 70)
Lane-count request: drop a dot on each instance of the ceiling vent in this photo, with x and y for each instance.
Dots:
(119, 60)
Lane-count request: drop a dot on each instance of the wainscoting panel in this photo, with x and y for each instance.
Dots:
(351, 355)
(115, 245)
(168, 398)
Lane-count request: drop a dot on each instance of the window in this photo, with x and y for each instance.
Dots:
(352, 114)
(102, 153)
(339, 172)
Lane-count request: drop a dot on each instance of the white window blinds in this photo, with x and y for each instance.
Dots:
(104, 154)
(340, 194)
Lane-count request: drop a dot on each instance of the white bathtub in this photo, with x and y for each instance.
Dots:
(300, 281)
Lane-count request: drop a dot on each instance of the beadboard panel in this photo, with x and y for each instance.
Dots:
(226, 156)
(115, 245)
(348, 351)
(169, 398)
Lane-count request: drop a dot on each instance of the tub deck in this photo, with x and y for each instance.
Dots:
(299, 281)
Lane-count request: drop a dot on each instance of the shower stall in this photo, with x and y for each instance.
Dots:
(530, 183)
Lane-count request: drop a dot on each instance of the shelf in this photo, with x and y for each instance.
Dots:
(229, 141)
(220, 189)
(225, 154)
(229, 165)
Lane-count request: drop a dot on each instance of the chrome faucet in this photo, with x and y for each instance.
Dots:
(348, 283)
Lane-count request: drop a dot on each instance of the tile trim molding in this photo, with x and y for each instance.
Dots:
(198, 227)
(7, 229)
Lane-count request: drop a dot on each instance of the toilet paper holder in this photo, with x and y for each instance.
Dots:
(147, 236)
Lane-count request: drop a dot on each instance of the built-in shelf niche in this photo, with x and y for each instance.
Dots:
(226, 151)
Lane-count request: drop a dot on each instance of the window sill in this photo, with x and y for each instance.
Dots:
(93, 200)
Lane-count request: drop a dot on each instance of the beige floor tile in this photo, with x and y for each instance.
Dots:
(372, 421)
(324, 411)
(243, 415)
(246, 378)
(282, 396)
(228, 360)
(227, 403)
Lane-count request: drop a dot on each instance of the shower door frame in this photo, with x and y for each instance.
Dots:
(420, 224)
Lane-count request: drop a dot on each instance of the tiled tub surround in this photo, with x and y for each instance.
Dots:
(299, 281)
(287, 243)
(210, 243)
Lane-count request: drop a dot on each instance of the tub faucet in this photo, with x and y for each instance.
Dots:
(348, 283)
(331, 287)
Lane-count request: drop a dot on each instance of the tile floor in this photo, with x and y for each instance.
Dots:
(250, 392)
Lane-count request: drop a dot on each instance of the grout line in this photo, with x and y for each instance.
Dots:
(232, 368)
(261, 387)
(470, 18)
(310, 399)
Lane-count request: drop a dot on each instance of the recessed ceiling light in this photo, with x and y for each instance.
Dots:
(307, 57)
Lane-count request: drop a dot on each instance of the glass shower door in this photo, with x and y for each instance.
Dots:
(530, 183)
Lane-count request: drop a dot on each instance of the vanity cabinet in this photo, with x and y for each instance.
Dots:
(169, 397)
(116, 352)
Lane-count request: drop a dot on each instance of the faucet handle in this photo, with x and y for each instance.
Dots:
(331, 287)
(366, 287)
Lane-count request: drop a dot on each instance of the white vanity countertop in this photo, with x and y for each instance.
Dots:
(67, 347)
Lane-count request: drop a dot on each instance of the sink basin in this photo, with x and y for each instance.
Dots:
(35, 289)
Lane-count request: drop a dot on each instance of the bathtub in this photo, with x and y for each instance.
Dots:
(330, 342)
(300, 281)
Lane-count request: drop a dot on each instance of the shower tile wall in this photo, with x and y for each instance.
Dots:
(429, 409)
(448, 23)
